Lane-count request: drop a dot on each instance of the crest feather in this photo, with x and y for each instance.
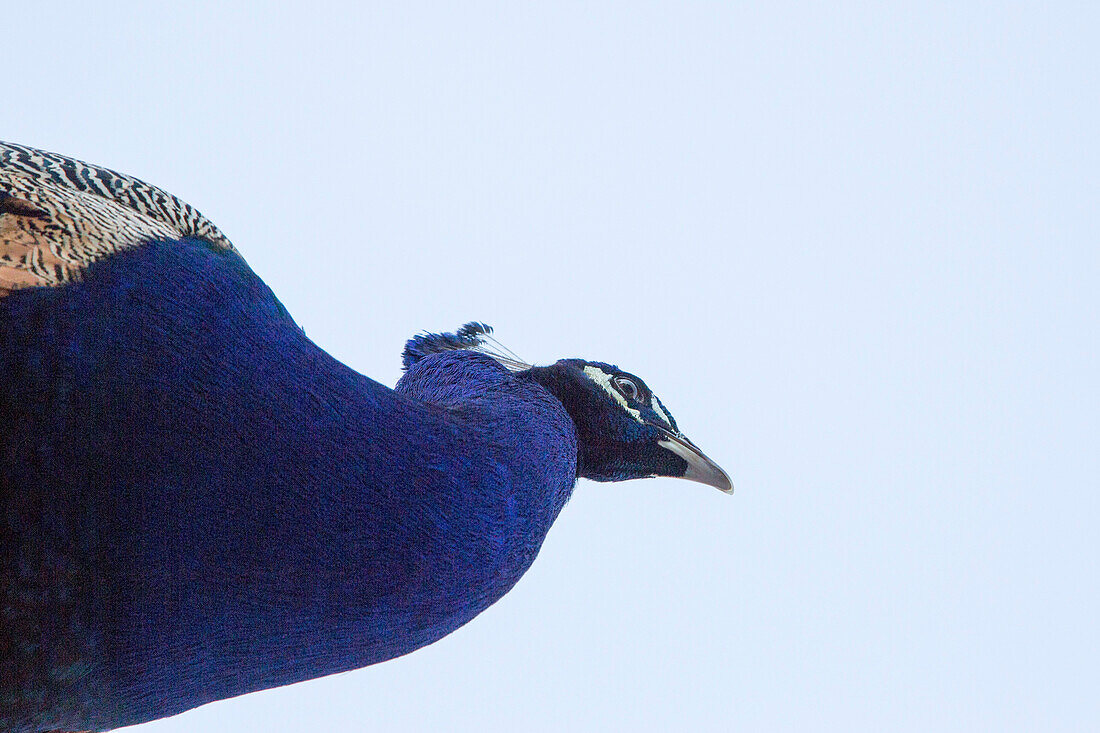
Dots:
(472, 336)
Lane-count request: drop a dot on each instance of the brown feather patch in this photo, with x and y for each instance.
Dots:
(58, 215)
(18, 207)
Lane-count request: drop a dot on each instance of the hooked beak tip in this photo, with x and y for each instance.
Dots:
(699, 467)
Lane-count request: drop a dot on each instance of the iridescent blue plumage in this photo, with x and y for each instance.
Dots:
(199, 502)
(367, 523)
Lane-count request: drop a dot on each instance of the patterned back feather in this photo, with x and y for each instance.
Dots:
(58, 215)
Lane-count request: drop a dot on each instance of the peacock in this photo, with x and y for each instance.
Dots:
(199, 502)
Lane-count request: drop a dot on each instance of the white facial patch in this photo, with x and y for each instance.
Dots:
(602, 378)
(660, 413)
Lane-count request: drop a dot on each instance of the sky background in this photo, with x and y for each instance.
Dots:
(854, 249)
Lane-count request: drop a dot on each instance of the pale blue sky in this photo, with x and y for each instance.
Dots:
(853, 248)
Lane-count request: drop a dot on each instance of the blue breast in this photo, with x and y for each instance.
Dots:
(199, 502)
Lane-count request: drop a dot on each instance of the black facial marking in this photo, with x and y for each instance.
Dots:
(613, 443)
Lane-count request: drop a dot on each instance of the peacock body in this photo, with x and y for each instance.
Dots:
(199, 502)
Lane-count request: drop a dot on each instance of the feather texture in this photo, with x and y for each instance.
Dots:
(472, 336)
(197, 502)
(58, 215)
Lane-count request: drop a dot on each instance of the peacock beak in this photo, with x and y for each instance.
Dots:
(699, 467)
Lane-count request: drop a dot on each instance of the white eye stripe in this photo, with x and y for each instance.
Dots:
(602, 378)
(660, 413)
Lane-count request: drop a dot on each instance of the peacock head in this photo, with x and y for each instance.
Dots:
(624, 431)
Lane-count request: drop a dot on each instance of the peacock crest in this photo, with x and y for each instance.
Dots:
(472, 336)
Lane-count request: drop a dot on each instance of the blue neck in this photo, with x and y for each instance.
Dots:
(252, 512)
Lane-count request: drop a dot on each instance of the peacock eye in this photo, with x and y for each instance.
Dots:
(626, 387)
